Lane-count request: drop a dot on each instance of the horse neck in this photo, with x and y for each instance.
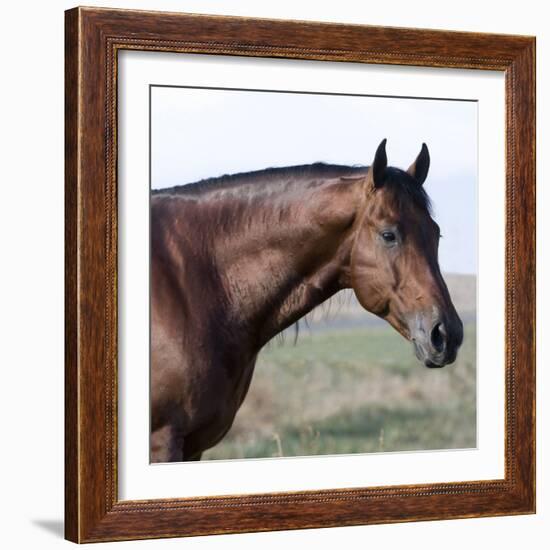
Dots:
(287, 254)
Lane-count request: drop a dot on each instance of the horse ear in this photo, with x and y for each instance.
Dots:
(379, 165)
(419, 168)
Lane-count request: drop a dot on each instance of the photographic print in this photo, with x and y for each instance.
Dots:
(299, 275)
(313, 268)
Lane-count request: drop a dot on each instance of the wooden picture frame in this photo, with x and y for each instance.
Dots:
(93, 511)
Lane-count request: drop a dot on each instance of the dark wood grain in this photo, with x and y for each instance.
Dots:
(71, 271)
(93, 38)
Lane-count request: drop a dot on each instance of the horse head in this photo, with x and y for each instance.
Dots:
(394, 260)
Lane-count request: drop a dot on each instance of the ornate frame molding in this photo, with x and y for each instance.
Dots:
(93, 38)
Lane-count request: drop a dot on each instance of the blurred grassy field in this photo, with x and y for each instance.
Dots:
(351, 384)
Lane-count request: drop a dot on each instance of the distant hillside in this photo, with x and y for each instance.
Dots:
(463, 289)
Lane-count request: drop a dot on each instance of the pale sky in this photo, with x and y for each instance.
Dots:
(198, 133)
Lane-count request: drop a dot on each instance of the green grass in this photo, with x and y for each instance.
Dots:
(353, 391)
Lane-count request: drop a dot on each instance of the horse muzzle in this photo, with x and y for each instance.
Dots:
(436, 337)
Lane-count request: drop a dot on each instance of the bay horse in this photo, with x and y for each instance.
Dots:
(236, 260)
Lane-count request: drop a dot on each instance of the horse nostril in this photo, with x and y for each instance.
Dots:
(437, 337)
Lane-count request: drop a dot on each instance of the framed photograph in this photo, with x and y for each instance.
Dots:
(300, 275)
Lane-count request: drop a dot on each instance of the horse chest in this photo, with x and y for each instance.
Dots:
(238, 376)
(216, 413)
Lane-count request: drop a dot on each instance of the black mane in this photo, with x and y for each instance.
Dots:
(407, 187)
(261, 178)
(398, 179)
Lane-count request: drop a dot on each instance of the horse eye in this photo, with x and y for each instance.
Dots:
(389, 236)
